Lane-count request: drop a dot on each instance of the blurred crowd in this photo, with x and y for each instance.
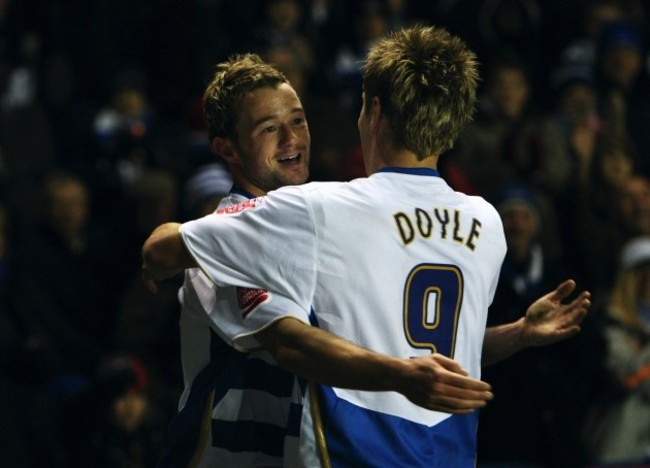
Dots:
(102, 139)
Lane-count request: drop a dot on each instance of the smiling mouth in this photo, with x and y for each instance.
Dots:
(291, 159)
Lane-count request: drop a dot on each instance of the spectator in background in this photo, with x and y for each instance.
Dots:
(508, 138)
(635, 205)
(27, 148)
(28, 431)
(282, 26)
(370, 23)
(131, 138)
(592, 205)
(65, 284)
(68, 278)
(503, 115)
(574, 118)
(146, 325)
(623, 87)
(122, 130)
(112, 423)
(509, 26)
(618, 431)
(531, 420)
(581, 51)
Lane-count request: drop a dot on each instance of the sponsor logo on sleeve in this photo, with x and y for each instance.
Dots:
(252, 203)
(249, 299)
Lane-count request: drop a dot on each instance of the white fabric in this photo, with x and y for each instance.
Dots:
(266, 403)
(347, 251)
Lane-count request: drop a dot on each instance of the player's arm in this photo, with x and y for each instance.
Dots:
(433, 382)
(547, 321)
(164, 255)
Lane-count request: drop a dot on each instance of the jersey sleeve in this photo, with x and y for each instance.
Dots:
(242, 312)
(270, 243)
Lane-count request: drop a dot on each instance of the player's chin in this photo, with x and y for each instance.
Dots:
(295, 173)
(296, 177)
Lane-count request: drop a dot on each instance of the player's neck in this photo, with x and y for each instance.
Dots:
(404, 158)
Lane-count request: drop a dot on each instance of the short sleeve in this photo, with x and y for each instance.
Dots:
(242, 312)
(270, 243)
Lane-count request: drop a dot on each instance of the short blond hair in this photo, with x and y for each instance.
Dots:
(426, 81)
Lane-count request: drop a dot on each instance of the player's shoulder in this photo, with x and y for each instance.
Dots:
(478, 202)
(309, 190)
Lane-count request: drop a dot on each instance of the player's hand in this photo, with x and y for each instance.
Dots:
(547, 320)
(149, 279)
(438, 383)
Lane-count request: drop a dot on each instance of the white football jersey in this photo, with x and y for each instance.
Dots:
(398, 263)
(235, 407)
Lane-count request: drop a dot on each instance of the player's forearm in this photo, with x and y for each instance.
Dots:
(433, 382)
(502, 341)
(164, 253)
(324, 358)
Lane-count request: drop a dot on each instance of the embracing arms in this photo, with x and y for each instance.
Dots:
(164, 255)
(434, 381)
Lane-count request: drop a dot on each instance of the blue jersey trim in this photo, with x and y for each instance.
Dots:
(424, 171)
(228, 369)
(184, 430)
(359, 437)
(239, 371)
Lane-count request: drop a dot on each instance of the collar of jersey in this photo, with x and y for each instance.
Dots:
(240, 191)
(425, 171)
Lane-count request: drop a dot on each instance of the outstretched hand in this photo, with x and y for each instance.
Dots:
(548, 320)
(438, 383)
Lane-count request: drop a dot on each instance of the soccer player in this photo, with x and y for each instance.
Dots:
(397, 262)
(235, 407)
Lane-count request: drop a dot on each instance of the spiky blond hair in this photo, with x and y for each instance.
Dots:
(426, 81)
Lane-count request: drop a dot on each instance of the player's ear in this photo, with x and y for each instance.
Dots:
(375, 113)
(224, 148)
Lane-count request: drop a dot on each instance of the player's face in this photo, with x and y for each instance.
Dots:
(273, 140)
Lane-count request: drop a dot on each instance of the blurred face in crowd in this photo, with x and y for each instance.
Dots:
(579, 102)
(129, 411)
(289, 63)
(598, 13)
(272, 147)
(284, 14)
(520, 227)
(131, 102)
(616, 167)
(67, 207)
(371, 25)
(635, 204)
(621, 65)
(509, 92)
